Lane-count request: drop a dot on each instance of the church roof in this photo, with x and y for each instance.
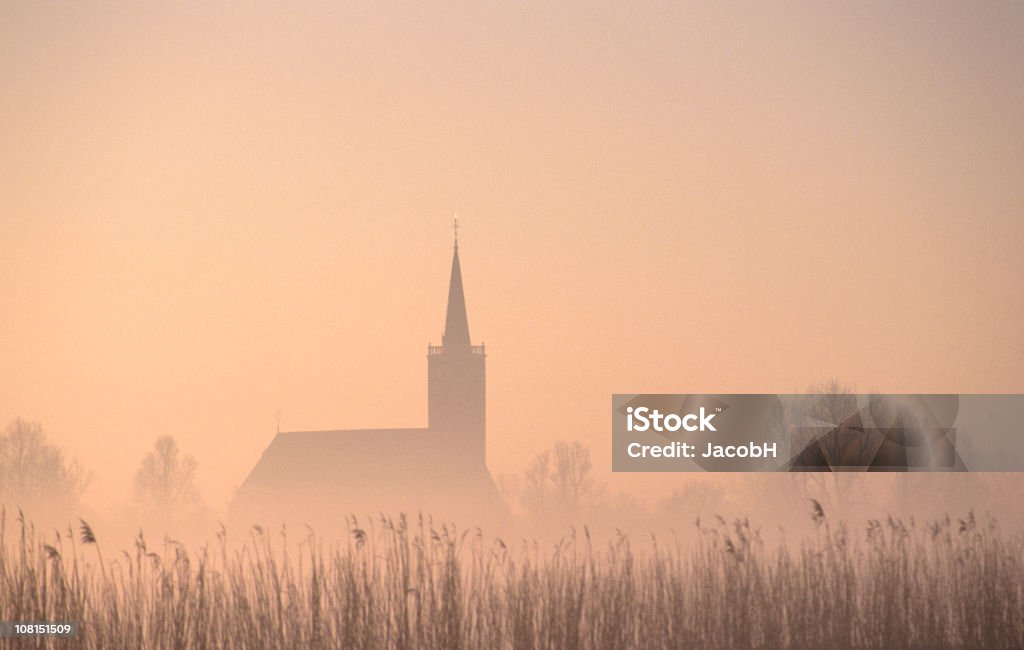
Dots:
(375, 469)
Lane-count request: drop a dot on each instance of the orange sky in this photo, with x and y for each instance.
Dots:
(208, 215)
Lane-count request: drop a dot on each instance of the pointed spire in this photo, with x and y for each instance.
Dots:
(456, 326)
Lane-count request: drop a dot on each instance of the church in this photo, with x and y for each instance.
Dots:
(322, 476)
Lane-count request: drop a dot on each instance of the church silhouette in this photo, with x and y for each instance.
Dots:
(317, 476)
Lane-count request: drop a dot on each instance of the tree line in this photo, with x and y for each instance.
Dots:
(37, 476)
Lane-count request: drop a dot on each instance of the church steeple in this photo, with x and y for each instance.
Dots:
(456, 384)
(456, 324)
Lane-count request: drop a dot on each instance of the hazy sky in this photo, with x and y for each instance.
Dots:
(210, 214)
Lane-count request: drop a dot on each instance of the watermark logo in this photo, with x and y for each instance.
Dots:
(646, 419)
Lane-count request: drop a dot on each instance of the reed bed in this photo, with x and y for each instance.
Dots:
(398, 583)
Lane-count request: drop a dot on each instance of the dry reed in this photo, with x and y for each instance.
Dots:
(396, 584)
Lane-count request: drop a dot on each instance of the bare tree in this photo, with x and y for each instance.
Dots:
(560, 481)
(833, 405)
(573, 473)
(35, 474)
(536, 483)
(165, 482)
(836, 405)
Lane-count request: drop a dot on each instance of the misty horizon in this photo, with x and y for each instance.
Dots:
(209, 245)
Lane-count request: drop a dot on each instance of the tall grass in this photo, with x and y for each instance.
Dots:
(396, 584)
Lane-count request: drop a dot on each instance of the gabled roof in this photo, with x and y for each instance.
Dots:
(364, 470)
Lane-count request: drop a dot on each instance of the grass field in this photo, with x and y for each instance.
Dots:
(955, 583)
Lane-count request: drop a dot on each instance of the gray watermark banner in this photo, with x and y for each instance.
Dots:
(817, 433)
(9, 629)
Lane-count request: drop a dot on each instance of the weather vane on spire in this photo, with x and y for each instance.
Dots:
(455, 227)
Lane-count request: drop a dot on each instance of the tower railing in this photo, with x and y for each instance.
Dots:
(440, 349)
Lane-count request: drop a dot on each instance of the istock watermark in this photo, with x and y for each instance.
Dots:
(821, 432)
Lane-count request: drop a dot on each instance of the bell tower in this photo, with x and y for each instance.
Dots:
(455, 376)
